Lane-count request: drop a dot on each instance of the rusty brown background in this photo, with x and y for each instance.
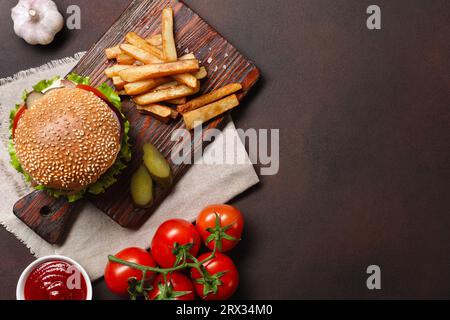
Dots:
(365, 143)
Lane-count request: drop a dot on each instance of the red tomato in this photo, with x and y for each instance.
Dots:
(228, 228)
(179, 287)
(117, 275)
(19, 114)
(173, 231)
(94, 91)
(222, 281)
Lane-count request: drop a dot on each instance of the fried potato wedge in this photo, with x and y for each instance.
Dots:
(159, 111)
(170, 93)
(155, 40)
(115, 69)
(112, 53)
(139, 54)
(168, 40)
(209, 97)
(167, 85)
(188, 56)
(187, 79)
(210, 111)
(140, 87)
(201, 73)
(133, 39)
(177, 101)
(118, 82)
(159, 70)
(123, 58)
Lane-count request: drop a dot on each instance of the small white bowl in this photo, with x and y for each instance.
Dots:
(20, 295)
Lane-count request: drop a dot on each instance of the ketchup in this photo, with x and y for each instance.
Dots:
(50, 281)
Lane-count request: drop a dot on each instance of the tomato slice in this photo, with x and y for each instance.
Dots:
(19, 114)
(94, 91)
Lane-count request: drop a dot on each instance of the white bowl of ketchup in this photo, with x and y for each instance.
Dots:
(54, 278)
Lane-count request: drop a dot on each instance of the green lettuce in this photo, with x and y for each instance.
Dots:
(42, 85)
(77, 79)
(110, 176)
(111, 94)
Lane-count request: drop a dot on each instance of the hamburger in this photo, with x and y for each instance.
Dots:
(69, 138)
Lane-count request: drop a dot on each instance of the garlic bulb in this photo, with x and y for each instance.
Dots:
(37, 21)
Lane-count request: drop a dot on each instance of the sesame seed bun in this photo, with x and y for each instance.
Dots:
(67, 139)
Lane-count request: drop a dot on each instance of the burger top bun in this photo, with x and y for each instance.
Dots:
(68, 139)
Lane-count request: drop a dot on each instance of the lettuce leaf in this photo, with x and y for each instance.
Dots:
(77, 79)
(42, 85)
(111, 94)
(110, 176)
(25, 95)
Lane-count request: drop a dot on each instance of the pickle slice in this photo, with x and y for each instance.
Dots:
(142, 188)
(157, 165)
(32, 98)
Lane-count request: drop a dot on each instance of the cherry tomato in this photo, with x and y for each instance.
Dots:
(222, 222)
(179, 287)
(171, 232)
(117, 275)
(19, 114)
(222, 278)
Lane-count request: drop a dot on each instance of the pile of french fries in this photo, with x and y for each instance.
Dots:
(160, 81)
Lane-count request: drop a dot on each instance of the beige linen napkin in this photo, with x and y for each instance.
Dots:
(94, 235)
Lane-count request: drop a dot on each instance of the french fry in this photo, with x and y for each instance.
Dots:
(114, 70)
(209, 97)
(118, 82)
(201, 73)
(123, 58)
(177, 101)
(139, 54)
(176, 92)
(155, 40)
(140, 87)
(174, 114)
(159, 70)
(187, 79)
(168, 41)
(159, 111)
(148, 58)
(188, 56)
(133, 39)
(210, 111)
(167, 85)
(121, 93)
(112, 53)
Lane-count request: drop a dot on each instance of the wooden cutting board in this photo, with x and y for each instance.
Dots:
(51, 217)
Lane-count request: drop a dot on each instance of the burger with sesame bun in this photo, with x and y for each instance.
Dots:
(69, 138)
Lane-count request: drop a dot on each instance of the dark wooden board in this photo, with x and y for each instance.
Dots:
(224, 64)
